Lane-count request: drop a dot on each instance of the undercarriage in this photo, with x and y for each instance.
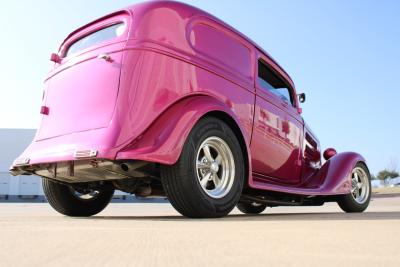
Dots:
(143, 179)
(135, 177)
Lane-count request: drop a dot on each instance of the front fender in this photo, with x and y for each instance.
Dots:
(333, 178)
(163, 141)
(336, 173)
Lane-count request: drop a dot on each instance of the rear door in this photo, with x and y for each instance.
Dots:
(83, 87)
(275, 146)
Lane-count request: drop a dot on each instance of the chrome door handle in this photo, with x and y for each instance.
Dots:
(105, 57)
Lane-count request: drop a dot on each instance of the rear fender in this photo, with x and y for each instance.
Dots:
(163, 141)
(335, 174)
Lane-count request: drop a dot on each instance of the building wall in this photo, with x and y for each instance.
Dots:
(20, 185)
(12, 144)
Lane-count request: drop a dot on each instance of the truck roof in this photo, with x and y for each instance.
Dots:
(141, 8)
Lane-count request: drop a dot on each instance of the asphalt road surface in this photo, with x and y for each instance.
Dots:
(129, 234)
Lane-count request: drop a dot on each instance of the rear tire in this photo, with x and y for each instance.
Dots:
(207, 180)
(251, 208)
(360, 196)
(66, 200)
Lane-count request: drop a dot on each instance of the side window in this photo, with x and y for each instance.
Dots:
(273, 83)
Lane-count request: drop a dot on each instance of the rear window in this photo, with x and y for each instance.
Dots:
(97, 37)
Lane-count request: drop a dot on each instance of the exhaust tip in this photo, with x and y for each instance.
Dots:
(124, 167)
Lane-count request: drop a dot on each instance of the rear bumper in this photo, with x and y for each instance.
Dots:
(98, 144)
(84, 170)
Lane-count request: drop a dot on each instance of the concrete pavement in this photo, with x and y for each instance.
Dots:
(131, 234)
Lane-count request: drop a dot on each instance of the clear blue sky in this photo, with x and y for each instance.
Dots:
(344, 54)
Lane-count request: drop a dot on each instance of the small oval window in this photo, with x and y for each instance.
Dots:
(97, 37)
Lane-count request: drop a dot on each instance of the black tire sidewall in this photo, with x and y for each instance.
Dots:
(248, 208)
(206, 128)
(63, 200)
(348, 203)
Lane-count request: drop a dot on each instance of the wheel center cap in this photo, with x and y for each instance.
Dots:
(214, 167)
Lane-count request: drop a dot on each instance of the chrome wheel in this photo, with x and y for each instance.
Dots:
(215, 167)
(256, 204)
(86, 194)
(360, 185)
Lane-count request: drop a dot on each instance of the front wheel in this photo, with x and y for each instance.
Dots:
(207, 180)
(360, 195)
(76, 202)
(251, 208)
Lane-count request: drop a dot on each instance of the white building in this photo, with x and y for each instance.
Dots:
(12, 144)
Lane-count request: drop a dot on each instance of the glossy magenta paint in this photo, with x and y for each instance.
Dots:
(173, 65)
(329, 153)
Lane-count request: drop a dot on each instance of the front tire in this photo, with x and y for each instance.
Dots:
(360, 196)
(207, 180)
(251, 208)
(68, 201)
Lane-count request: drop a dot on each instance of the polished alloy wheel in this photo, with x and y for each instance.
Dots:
(207, 180)
(360, 185)
(85, 195)
(256, 204)
(215, 167)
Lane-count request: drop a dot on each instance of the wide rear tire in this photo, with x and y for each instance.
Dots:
(207, 180)
(66, 200)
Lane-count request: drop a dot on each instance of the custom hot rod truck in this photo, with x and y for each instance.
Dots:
(163, 99)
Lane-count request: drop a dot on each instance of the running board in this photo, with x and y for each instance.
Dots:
(272, 202)
(289, 190)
